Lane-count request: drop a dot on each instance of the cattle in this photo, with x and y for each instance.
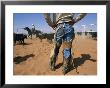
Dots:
(79, 33)
(89, 34)
(20, 38)
(94, 35)
(32, 32)
(39, 34)
(47, 36)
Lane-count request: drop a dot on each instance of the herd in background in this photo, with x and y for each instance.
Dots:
(89, 34)
(20, 37)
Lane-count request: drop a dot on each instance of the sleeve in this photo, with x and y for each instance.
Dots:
(80, 16)
(48, 19)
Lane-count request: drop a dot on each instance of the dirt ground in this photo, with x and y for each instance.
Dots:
(33, 57)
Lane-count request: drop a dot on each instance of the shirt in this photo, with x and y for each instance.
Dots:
(56, 18)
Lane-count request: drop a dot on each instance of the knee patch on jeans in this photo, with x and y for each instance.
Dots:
(67, 53)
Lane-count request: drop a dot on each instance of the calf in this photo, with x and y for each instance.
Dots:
(47, 36)
(19, 37)
(94, 35)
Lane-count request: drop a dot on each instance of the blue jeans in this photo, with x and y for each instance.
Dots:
(64, 33)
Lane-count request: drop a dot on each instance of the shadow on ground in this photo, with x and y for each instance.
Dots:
(20, 59)
(81, 60)
(22, 44)
(77, 62)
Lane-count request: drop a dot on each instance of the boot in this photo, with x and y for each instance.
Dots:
(53, 58)
(65, 66)
(66, 60)
(52, 63)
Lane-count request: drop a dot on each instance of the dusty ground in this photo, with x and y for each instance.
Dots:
(33, 57)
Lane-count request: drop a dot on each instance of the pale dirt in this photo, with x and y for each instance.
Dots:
(35, 57)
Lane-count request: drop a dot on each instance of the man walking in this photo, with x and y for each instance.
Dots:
(64, 33)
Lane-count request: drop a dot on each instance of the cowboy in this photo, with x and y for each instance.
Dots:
(64, 33)
(33, 29)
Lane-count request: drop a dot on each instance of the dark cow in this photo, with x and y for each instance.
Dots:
(79, 33)
(47, 36)
(93, 35)
(20, 38)
(39, 34)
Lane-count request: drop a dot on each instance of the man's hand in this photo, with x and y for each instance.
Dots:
(72, 22)
(54, 26)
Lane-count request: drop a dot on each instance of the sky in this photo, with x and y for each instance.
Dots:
(21, 20)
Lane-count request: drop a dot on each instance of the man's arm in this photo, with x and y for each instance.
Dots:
(48, 19)
(79, 17)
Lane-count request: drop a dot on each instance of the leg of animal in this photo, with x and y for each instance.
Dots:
(19, 42)
(31, 36)
(14, 42)
(23, 41)
(28, 35)
(14, 37)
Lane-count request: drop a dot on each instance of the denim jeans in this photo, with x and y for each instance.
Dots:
(64, 32)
